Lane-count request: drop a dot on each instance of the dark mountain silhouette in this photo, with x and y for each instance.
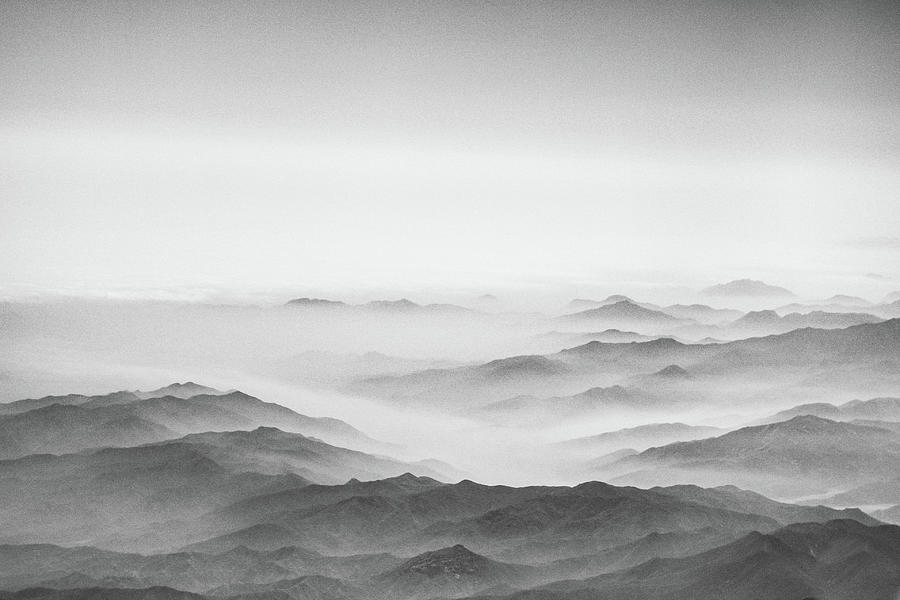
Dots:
(746, 287)
(271, 451)
(527, 524)
(840, 560)
(733, 498)
(61, 429)
(307, 587)
(95, 422)
(99, 593)
(111, 497)
(451, 572)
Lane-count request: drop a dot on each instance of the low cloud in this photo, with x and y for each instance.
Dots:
(877, 243)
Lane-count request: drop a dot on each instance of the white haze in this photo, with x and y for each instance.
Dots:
(98, 346)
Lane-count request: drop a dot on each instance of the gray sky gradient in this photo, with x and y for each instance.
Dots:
(454, 145)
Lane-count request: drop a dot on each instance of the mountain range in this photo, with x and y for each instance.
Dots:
(801, 454)
(746, 287)
(67, 424)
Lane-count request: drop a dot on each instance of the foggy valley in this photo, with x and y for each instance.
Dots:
(392, 449)
(404, 300)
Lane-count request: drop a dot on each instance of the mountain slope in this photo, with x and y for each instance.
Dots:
(746, 287)
(128, 421)
(799, 454)
(451, 572)
(271, 451)
(624, 311)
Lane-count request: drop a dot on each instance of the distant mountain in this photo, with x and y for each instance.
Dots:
(736, 499)
(334, 368)
(185, 390)
(407, 306)
(567, 339)
(401, 306)
(453, 388)
(803, 453)
(623, 311)
(857, 344)
(701, 313)
(769, 321)
(847, 300)
(315, 303)
(523, 410)
(878, 409)
(97, 421)
(581, 304)
(271, 451)
(641, 437)
(889, 515)
(20, 406)
(806, 358)
(892, 297)
(673, 372)
(889, 311)
(746, 287)
(878, 493)
(453, 572)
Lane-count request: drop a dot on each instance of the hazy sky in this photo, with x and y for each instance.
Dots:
(453, 145)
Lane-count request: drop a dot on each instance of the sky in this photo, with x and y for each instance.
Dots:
(346, 147)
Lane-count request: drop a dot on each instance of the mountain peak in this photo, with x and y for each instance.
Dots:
(453, 560)
(849, 300)
(402, 304)
(184, 391)
(615, 298)
(626, 310)
(674, 372)
(746, 287)
(317, 302)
